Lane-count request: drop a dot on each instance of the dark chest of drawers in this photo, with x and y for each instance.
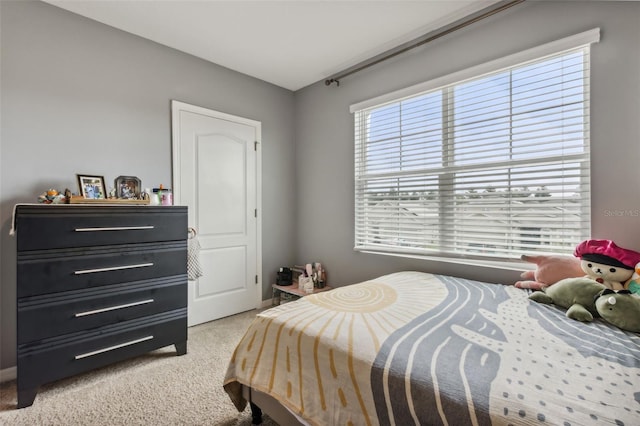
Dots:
(96, 285)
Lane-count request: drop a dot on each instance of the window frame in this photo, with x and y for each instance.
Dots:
(447, 83)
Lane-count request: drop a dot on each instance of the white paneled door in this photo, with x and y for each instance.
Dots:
(216, 173)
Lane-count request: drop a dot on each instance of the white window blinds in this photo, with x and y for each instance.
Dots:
(490, 166)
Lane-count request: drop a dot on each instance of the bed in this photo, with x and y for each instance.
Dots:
(416, 348)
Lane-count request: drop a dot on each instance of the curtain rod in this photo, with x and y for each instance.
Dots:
(422, 40)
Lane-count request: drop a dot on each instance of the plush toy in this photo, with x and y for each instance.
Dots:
(549, 270)
(577, 295)
(606, 263)
(620, 308)
(633, 285)
(585, 299)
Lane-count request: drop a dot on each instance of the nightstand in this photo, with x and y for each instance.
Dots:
(292, 291)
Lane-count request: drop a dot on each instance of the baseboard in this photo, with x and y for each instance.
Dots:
(8, 374)
(267, 303)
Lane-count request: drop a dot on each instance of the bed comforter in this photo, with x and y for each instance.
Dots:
(416, 348)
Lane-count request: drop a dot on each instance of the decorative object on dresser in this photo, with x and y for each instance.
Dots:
(52, 196)
(92, 187)
(96, 285)
(128, 187)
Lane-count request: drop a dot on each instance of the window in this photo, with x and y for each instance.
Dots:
(489, 164)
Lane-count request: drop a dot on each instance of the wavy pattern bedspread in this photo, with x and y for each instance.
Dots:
(415, 348)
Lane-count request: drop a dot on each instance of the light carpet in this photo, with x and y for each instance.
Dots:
(158, 388)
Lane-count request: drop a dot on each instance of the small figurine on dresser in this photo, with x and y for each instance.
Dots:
(52, 196)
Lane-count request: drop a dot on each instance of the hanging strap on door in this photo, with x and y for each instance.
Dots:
(194, 269)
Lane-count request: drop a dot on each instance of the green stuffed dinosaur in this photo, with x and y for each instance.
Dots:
(585, 299)
(620, 308)
(577, 295)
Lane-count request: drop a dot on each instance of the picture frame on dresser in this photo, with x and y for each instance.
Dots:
(92, 186)
(128, 187)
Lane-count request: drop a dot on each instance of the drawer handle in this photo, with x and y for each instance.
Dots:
(113, 308)
(111, 348)
(114, 228)
(112, 268)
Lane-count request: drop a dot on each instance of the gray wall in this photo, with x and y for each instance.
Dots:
(324, 129)
(78, 96)
(82, 97)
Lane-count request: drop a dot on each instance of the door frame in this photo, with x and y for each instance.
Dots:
(176, 108)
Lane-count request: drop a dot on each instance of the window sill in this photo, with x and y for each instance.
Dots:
(514, 264)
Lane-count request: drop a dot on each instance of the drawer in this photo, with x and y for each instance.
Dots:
(47, 227)
(80, 352)
(73, 269)
(40, 317)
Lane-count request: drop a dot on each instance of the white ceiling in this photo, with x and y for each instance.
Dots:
(288, 43)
